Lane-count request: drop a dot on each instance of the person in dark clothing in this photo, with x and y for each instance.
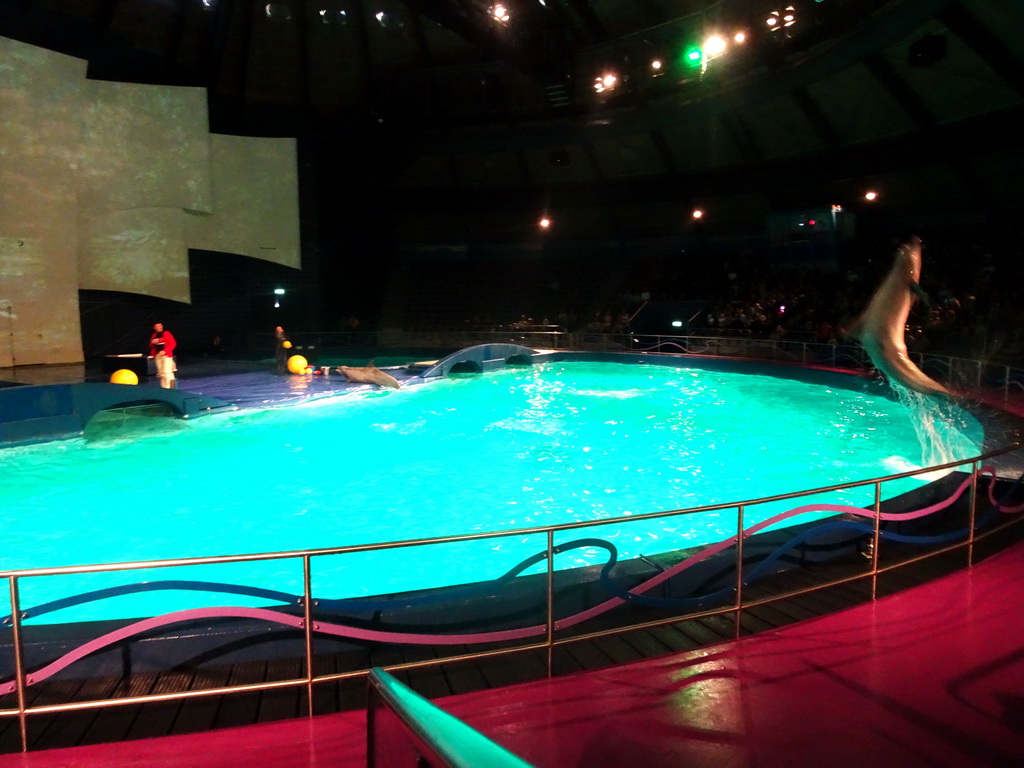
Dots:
(281, 349)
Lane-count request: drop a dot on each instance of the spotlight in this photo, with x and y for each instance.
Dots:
(605, 82)
(714, 45)
(544, 223)
(779, 19)
(740, 37)
(698, 213)
(500, 13)
(870, 195)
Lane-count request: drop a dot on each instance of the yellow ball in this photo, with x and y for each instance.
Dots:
(297, 364)
(124, 376)
(286, 344)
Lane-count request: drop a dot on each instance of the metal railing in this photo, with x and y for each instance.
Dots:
(541, 636)
(997, 378)
(433, 735)
(994, 377)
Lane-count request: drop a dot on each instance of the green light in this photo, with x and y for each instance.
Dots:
(693, 56)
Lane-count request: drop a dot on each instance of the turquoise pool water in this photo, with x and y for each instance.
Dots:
(516, 448)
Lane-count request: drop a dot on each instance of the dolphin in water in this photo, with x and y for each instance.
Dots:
(881, 326)
(369, 374)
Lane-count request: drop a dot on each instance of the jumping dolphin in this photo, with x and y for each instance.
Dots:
(369, 374)
(880, 328)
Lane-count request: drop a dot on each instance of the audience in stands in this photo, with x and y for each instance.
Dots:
(976, 308)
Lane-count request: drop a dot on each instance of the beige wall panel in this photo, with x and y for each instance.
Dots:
(39, 320)
(145, 158)
(145, 146)
(40, 107)
(139, 250)
(255, 200)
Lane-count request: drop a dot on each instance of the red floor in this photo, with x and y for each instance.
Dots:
(930, 677)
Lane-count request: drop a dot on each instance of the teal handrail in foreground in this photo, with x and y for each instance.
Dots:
(441, 739)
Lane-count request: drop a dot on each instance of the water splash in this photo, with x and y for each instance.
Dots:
(939, 425)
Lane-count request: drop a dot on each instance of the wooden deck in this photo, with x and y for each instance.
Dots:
(137, 721)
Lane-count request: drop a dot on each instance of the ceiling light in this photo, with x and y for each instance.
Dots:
(714, 45)
(605, 82)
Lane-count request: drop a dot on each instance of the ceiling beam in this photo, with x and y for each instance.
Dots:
(668, 160)
(815, 115)
(985, 45)
(590, 20)
(885, 73)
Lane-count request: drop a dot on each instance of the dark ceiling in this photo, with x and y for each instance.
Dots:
(460, 123)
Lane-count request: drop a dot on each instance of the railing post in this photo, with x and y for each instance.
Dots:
(307, 626)
(971, 512)
(550, 619)
(19, 661)
(739, 570)
(876, 540)
(1006, 384)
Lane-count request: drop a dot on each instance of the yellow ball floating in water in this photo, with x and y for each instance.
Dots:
(297, 364)
(124, 376)
(286, 344)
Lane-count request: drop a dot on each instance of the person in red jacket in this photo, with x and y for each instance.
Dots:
(161, 347)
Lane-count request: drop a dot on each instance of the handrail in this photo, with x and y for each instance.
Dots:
(442, 739)
(820, 351)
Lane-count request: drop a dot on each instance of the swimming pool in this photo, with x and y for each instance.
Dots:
(515, 448)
